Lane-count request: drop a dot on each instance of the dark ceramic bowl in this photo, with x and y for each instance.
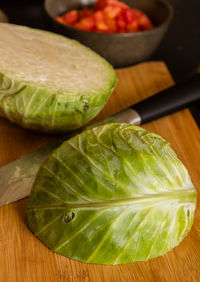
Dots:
(119, 49)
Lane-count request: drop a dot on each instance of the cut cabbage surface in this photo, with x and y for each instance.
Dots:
(49, 82)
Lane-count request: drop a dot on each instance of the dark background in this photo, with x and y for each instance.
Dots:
(180, 48)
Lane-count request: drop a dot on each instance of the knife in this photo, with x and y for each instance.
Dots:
(16, 178)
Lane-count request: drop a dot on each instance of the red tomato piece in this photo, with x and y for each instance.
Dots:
(86, 13)
(101, 27)
(112, 26)
(128, 16)
(99, 16)
(121, 30)
(121, 5)
(100, 4)
(121, 24)
(104, 23)
(133, 27)
(137, 13)
(85, 24)
(145, 23)
(111, 12)
(60, 19)
(71, 17)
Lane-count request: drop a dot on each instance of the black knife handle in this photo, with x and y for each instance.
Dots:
(170, 100)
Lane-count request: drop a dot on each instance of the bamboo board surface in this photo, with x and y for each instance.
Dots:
(24, 258)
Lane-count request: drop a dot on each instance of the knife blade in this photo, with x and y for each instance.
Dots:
(16, 178)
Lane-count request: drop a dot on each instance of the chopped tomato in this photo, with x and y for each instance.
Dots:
(108, 16)
(145, 23)
(137, 13)
(121, 5)
(99, 16)
(71, 17)
(133, 26)
(60, 19)
(111, 12)
(112, 26)
(121, 30)
(128, 16)
(85, 24)
(121, 24)
(100, 4)
(85, 13)
(101, 27)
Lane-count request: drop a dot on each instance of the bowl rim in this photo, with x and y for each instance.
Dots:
(124, 34)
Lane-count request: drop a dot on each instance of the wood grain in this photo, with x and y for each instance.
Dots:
(24, 258)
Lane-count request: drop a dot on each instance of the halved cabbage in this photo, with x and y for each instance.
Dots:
(49, 82)
(111, 195)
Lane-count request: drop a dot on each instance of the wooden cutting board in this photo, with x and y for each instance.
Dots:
(24, 258)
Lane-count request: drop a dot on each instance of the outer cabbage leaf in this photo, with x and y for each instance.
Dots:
(113, 194)
(49, 82)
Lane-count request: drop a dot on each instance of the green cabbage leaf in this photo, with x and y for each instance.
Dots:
(113, 194)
